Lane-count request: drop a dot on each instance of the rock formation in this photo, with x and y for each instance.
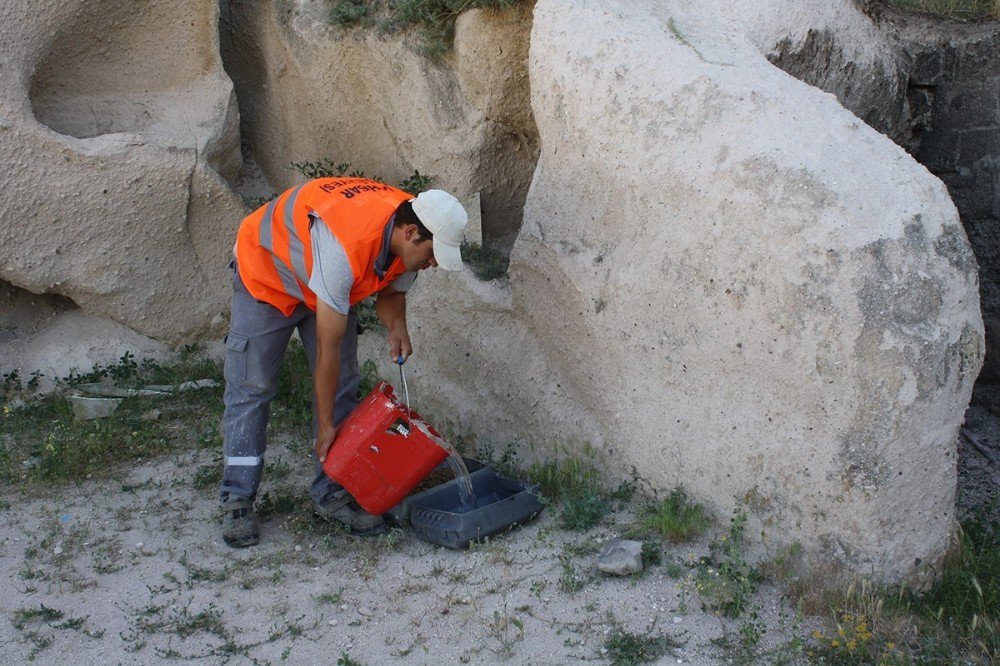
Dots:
(118, 128)
(725, 280)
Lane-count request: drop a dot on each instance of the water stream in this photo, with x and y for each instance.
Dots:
(466, 494)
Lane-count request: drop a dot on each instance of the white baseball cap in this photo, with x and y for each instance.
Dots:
(444, 217)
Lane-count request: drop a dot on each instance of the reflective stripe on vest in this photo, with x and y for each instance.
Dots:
(285, 272)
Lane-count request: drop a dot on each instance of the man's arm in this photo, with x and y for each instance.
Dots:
(330, 327)
(390, 306)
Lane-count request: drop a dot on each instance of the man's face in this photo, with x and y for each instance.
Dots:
(417, 254)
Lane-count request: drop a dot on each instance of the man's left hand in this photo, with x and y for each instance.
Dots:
(400, 348)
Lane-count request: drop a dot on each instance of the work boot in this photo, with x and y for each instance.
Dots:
(343, 510)
(239, 524)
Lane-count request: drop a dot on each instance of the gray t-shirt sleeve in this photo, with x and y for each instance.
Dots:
(332, 277)
(404, 281)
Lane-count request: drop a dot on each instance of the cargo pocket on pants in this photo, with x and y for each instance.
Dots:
(236, 358)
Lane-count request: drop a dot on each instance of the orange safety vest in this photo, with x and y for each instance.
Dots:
(274, 248)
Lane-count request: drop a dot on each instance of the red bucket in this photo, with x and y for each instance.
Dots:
(380, 454)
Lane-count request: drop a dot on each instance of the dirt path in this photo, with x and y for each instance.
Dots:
(133, 570)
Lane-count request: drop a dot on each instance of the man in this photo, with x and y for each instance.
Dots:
(303, 261)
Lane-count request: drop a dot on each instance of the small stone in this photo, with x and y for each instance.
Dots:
(466, 600)
(365, 611)
(151, 415)
(620, 557)
(139, 544)
(57, 550)
(332, 623)
(678, 620)
(298, 549)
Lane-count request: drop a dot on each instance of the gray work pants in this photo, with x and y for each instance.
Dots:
(258, 336)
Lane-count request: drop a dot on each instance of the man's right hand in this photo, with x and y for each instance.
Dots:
(324, 440)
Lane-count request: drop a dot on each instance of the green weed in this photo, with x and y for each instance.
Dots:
(626, 648)
(486, 263)
(652, 554)
(676, 517)
(416, 182)
(43, 613)
(345, 660)
(570, 580)
(578, 487)
(433, 19)
(329, 598)
(583, 511)
(726, 581)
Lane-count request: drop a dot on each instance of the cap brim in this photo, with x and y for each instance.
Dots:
(448, 257)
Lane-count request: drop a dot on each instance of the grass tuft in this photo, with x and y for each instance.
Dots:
(676, 517)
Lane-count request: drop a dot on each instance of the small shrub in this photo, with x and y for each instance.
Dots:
(625, 648)
(583, 511)
(486, 263)
(570, 580)
(348, 12)
(652, 554)
(324, 168)
(416, 183)
(676, 517)
(726, 581)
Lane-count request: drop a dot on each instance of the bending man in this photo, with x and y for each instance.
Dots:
(302, 262)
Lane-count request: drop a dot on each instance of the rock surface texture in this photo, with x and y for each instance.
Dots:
(117, 129)
(311, 91)
(725, 280)
(955, 96)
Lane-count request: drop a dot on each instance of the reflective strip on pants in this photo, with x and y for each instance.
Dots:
(243, 461)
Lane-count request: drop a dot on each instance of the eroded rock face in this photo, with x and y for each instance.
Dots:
(727, 281)
(311, 91)
(118, 128)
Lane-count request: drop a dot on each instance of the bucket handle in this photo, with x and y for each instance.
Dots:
(406, 392)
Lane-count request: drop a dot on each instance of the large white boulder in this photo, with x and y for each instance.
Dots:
(118, 128)
(725, 280)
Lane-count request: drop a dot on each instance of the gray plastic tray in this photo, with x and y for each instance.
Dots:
(437, 516)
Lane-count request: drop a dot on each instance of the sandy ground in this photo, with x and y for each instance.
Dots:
(135, 571)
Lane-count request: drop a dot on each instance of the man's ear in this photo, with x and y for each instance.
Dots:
(410, 231)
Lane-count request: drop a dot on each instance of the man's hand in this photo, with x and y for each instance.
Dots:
(324, 440)
(400, 348)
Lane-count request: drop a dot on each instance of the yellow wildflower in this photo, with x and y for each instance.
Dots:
(817, 634)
